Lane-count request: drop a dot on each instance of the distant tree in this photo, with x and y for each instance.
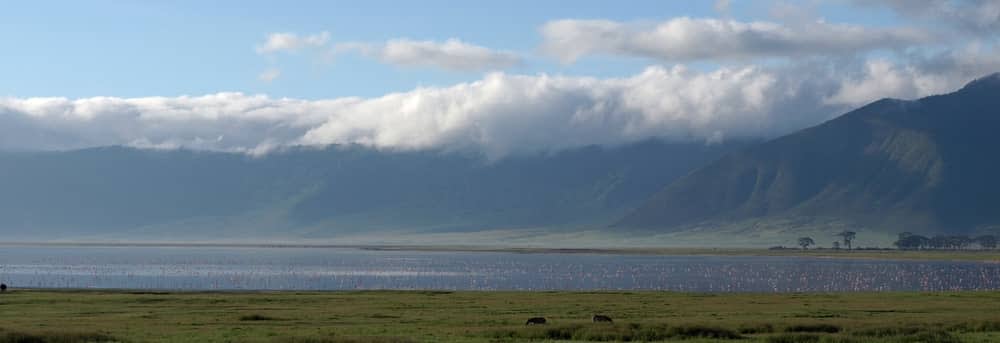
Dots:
(805, 242)
(938, 242)
(836, 245)
(987, 241)
(953, 242)
(961, 242)
(848, 237)
(909, 241)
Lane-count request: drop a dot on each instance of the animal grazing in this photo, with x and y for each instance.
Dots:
(3, 287)
(535, 321)
(602, 319)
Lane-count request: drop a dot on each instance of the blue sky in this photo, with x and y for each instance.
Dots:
(144, 48)
(495, 77)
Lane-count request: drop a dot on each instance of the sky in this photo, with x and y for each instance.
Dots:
(497, 78)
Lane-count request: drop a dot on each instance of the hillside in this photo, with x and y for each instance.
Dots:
(125, 193)
(928, 165)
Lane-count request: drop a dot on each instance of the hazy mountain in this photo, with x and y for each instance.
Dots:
(129, 193)
(924, 165)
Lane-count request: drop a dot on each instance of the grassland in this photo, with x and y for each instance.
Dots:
(401, 316)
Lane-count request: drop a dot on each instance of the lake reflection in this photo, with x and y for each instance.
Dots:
(199, 268)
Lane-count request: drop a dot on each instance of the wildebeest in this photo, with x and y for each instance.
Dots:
(598, 318)
(535, 321)
(3, 287)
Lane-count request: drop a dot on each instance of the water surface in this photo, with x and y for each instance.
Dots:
(236, 268)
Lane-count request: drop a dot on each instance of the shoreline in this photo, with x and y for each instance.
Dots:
(986, 256)
(989, 256)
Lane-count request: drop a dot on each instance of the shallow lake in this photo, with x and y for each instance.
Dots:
(225, 268)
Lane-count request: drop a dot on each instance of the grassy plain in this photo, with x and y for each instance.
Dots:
(425, 316)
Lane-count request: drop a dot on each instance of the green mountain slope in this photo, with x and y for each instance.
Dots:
(929, 165)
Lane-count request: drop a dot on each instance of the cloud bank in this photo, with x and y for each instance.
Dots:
(689, 39)
(497, 115)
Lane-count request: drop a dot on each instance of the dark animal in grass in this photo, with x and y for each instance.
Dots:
(535, 321)
(3, 287)
(602, 319)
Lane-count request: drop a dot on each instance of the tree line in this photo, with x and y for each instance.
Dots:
(910, 241)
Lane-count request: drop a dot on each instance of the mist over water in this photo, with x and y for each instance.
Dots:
(202, 268)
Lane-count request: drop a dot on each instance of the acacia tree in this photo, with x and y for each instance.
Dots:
(848, 236)
(805, 242)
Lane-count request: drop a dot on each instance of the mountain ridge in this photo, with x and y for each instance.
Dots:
(889, 165)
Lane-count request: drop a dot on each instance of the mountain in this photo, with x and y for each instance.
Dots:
(126, 193)
(929, 165)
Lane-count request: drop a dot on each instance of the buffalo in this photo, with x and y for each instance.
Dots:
(602, 319)
(535, 321)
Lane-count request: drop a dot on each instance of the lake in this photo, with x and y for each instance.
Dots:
(246, 268)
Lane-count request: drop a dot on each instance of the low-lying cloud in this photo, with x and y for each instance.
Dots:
(499, 114)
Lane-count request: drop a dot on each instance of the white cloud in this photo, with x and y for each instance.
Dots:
(499, 114)
(916, 77)
(722, 6)
(290, 42)
(269, 75)
(452, 54)
(688, 39)
(979, 16)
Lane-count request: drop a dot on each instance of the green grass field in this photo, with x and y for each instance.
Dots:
(400, 316)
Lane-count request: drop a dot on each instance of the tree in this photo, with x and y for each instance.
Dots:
(951, 242)
(938, 242)
(805, 242)
(836, 245)
(987, 241)
(848, 236)
(961, 242)
(909, 241)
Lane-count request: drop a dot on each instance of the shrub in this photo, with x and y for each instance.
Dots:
(930, 336)
(749, 329)
(827, 328)
(880, 332)
(700, 331)
(55, 337)
(617, 333)
(255, 317)
(376, 339)
(984, 326)
(794, 338)
(908, 334)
